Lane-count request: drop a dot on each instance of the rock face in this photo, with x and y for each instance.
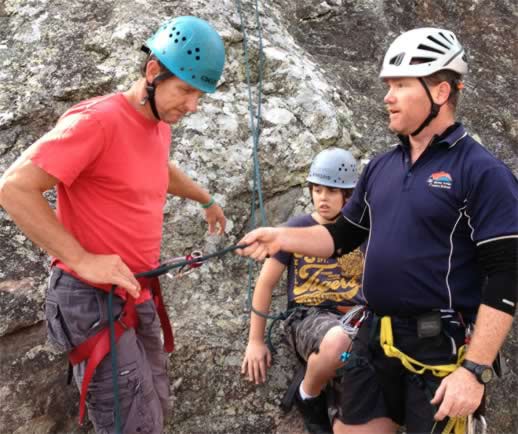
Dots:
(320, 88)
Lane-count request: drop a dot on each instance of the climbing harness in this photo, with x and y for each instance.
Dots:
(455, 425)
(97, 347)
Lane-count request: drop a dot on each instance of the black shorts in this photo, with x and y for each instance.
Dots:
(377, 386)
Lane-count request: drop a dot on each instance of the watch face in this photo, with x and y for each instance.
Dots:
(486, 375)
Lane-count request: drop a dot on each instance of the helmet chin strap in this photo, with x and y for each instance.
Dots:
(434, 111)
(151, 88)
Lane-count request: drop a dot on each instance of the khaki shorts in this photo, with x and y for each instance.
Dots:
(75, 311)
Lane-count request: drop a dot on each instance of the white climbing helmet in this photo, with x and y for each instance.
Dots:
(421, 52)
(334, 167)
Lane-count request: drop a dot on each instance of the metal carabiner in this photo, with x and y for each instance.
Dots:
(195, 254)
(474, 422)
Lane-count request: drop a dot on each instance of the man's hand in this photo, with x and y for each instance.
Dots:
(214, 217)
(261, 243)
(256, 361)
(107, 269)
(459, 394)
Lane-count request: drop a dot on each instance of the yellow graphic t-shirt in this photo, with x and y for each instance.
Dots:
(316, 281)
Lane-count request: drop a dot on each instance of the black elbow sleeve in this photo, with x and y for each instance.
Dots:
(346, 236)
(499, 260)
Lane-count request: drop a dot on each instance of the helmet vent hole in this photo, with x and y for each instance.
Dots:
(177, 33)
(176, 41)
(428, 48)
(182, 69)
(184, 39)
(445, 38)
(170, 35)
(396, 60)
(193, 76)
(418, 60)
(197, 57)
(197, 49)
(174, 28)
(442, 44)
(189, 52)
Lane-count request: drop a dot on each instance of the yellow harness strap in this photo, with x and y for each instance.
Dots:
(457, 425)
(413, 365)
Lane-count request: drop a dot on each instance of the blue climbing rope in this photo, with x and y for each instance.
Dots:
(257, 193)
(115, 371)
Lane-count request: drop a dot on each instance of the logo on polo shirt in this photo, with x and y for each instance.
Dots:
(440, 180)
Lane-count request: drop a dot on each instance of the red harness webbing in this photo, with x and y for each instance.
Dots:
(96, 347)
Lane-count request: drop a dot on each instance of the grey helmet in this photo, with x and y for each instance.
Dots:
(334, 167)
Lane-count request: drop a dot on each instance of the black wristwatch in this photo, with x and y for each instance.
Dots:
(483, 373)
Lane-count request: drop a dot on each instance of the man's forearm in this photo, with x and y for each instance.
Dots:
(310, 241)
(491, 329)
(182, 186)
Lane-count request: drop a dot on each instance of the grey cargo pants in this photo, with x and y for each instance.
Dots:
(75, 311)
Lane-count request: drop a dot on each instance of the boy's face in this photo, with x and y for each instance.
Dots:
(328, 201)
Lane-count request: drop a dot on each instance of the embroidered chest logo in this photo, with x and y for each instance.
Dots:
(440, 180)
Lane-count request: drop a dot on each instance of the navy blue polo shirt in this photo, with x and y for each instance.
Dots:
(425, 221)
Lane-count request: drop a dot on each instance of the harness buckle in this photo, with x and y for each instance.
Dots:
(429, 325)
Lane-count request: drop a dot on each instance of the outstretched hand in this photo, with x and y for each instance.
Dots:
(261, 243)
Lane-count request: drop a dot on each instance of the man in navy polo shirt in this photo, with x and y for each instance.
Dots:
(441, 217)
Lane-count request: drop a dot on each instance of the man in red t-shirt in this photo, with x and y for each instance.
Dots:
(108, 157)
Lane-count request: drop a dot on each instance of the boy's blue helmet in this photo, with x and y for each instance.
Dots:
(191, 49)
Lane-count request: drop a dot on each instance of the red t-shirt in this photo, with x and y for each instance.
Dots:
(112, 164)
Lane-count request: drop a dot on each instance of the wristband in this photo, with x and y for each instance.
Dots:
(209, 203)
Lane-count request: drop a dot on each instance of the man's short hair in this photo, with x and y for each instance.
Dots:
(453, 78)
(148, 58)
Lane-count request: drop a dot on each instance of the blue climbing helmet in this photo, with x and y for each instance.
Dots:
(191, 49)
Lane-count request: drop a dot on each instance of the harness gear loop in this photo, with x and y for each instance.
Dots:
(455, 425)
(411, 364)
